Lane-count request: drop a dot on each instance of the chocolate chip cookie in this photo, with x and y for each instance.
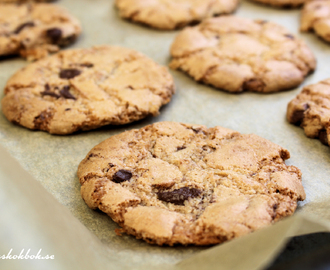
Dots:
(236, 54)
(169, 14)
(282, 3)
(311, 110)
(34, 30)
(170, 183)
(315, 17)
(84, 89)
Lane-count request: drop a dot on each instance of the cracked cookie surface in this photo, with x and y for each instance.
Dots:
(84, 89)
(169, 14)
(35, 30)
(315, 16)
(236, 54)
(170, 183)
(310, 109)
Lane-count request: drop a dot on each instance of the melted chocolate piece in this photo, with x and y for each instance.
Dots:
(323, 137)
(178, 196)
(66, 94)
(22, 26)
(55, 35)
(69, 73)
(122, 176)
(298, 116)
(48, 92)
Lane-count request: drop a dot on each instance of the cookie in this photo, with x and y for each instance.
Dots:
(236, 54)
(34, 30)
(310, 109)
(169, 14)
(172, 183)
(282, 3)
(315, 16)
(83, 89)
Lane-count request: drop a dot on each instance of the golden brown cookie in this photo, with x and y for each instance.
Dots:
(170, 183)
(34, 30)
(311, 110)
(169, 14)
(84, 89)
(236, 54)
(315, 16)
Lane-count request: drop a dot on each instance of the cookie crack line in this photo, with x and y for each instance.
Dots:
(147, 176)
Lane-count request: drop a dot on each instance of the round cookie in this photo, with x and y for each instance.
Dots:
(315, 16)
(310, 109)
(282, 3)
(237, 54)
(169, 14)
(170, 183)
(34, 30)
(84, 89)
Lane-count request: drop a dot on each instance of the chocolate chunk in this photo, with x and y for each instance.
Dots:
(66, 94)
(42, 120)
(48, 92)
(323, 137)
(289, 36)
(178, 196)
(69, 73)
(255, 85)
(67, 109)
(122, 176)
(22, 26)
(180, 148)
(298, 116)
(55, 35)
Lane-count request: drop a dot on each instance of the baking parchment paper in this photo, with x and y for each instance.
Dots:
(53, 160)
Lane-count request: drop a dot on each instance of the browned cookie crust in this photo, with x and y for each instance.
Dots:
(311, 110)
(169, 14)
(84, 89)
(34, 30)
(283, 3)
(171, 183)
(236, 54)
(315, 16)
